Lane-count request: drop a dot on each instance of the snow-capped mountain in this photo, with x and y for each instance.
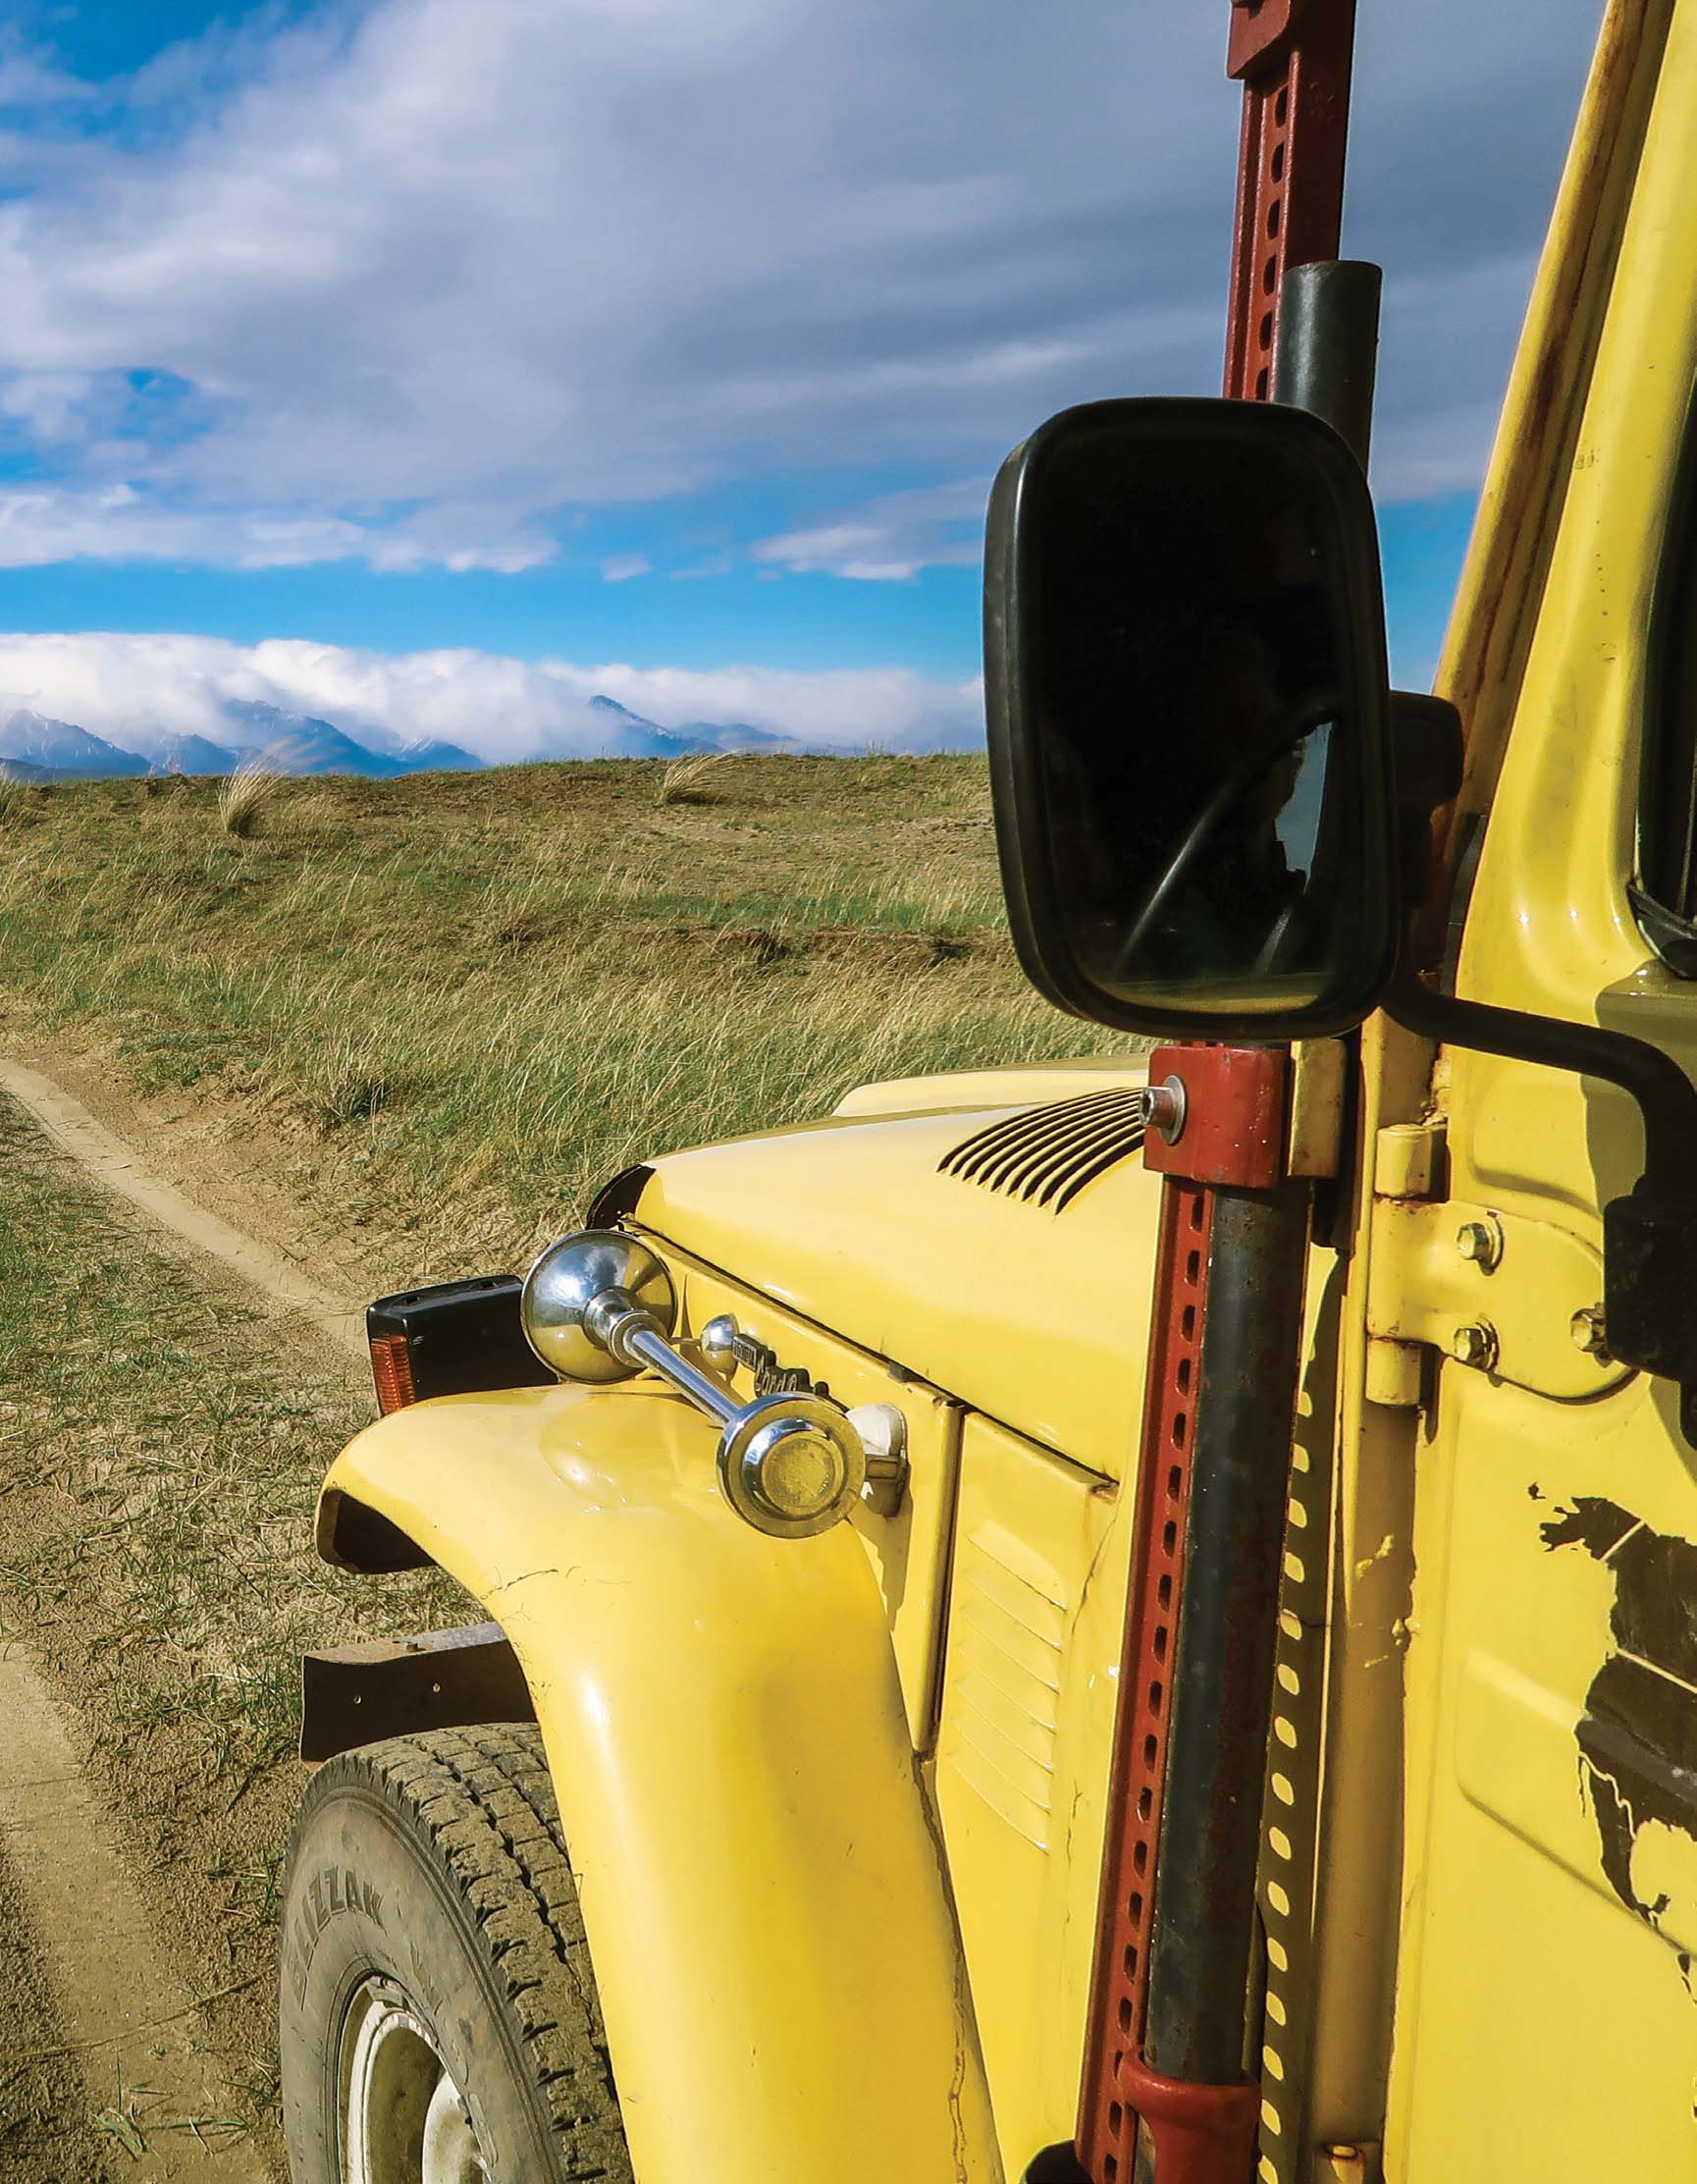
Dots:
(298, 743)
(59, 750)
(436, 758)
(628, 735)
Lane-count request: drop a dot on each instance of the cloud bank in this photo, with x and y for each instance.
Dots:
(415, 280)
(135, 690)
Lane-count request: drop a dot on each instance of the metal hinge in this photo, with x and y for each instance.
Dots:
(1515, 1299)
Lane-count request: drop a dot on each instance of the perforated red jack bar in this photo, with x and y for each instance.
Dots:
(1135, 2123)
(1232, 1137)
(1293, 59)
(1107, 2120)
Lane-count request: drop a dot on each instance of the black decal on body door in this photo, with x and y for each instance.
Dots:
(1637, 1736)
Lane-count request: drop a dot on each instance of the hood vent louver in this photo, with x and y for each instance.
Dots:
(1047, 1155)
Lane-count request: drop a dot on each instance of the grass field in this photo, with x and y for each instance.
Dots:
(161, 1446)
(460, 1002)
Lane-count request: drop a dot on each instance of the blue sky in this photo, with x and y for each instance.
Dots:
(101, 41)
(670, 340)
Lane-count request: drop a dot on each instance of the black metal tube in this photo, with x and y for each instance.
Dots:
(1329, 344)
(1201, 1949)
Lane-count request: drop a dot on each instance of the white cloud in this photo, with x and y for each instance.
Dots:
(30, 82)
(54, 523)
(620, 568)
(50, 404)
(135, 689)
(434, 273)
(891, 538)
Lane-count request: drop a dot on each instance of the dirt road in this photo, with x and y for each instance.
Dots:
(101, 2002)
(170, 1390)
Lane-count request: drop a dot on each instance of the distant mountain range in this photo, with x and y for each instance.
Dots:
(37, 747)
(297, 743)
(639, 738)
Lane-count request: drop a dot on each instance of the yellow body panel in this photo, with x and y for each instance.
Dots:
(962, 1088)
(1516, 1947)
(910, 1550)
(1035, 1616)
(1007, 1562)
(1039, 1320)
(763, 1886)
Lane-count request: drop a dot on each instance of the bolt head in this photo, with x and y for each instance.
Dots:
(1474, 1345)
(1481, 1242)
(1164, 1108)
(1589, 1332)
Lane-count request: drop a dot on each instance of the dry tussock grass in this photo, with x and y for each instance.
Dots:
(243, 799)
(692, 779)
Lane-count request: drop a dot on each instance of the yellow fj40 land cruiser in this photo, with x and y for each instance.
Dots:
(1139, 1621)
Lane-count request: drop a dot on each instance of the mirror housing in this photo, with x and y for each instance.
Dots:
(1190, 720)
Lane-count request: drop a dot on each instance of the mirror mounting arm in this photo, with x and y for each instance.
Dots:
(1650, 1236)
(1666, 1096)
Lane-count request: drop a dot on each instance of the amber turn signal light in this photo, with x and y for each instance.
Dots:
(391, 1369)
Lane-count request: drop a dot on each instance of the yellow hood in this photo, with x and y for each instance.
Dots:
(1035, 1317)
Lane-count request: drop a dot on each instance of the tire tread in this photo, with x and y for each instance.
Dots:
(483, 1800)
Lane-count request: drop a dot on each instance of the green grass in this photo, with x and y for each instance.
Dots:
(457, 1004)
(160, 1452)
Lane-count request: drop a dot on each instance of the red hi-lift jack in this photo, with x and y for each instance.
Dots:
(1293, 59)
(1166, 2097)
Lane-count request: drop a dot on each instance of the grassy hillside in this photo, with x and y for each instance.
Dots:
(460, 1002)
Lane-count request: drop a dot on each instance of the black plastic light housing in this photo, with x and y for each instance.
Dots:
(456, 1338)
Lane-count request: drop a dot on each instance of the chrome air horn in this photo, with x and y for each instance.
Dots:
(600, 1305)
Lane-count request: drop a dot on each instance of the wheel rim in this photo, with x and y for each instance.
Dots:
(404, 2119)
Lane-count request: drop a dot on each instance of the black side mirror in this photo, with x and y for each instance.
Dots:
(1190, 720)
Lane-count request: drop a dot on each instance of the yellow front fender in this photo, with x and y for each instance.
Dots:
(761, 1878)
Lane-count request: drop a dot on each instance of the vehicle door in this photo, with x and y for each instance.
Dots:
(1547, 2002)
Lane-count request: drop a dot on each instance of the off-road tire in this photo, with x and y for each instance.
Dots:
(436, 1865)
